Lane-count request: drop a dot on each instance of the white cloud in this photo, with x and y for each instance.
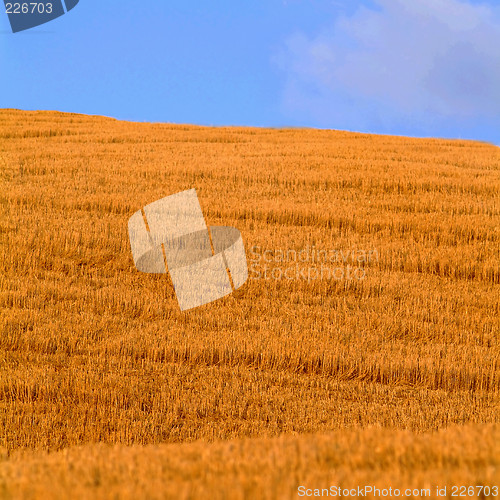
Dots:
(432, 63)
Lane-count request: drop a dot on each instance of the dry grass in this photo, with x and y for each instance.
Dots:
(263, 469)
(93, 351)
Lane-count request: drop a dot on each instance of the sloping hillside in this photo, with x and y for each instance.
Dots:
(93, 351)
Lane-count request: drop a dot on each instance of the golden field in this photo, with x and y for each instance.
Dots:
(265, 468)
(393, 378)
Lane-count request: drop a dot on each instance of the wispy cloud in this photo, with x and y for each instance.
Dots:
(427, 67)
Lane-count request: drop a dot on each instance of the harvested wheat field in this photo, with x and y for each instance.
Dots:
(383, 370)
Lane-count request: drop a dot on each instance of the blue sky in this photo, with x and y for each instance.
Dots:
(419, 67)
